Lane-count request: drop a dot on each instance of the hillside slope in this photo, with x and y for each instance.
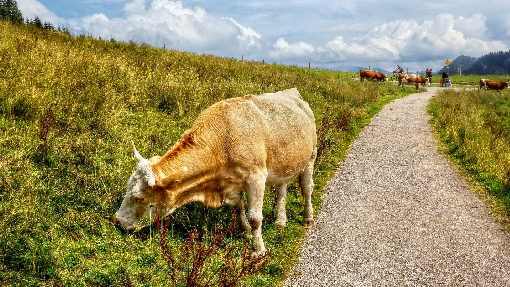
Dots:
(69, 108)
(492, 63)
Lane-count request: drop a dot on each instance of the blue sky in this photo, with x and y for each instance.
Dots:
(335, 34)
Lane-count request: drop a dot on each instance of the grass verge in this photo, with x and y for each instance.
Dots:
(474, 129)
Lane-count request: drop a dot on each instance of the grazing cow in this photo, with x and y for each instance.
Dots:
(402, 78)
(493, 84)
(235, 146)
(400, 74)
(371, 75)
(412, 79)
(417, 80)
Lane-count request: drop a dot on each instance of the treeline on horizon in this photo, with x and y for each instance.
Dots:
(492, 63)
(10, 12)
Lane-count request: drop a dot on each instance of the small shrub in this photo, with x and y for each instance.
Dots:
(187, 264)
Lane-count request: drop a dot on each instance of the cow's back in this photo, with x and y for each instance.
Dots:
(274, 130)
(291, 133)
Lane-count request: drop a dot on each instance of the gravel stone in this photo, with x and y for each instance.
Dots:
(397, 214)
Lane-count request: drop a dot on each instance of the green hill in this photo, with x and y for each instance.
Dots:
(69, 108)
(490, 64)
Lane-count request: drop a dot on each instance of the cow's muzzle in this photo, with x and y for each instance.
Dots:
(119, 226)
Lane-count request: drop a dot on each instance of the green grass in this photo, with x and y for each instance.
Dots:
(474, 127)
(473, 80)
(69, 108)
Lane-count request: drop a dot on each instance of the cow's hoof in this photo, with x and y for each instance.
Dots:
(309, 222)
(280, 224)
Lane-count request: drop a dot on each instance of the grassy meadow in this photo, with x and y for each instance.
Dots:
(475, 129)
(69, 109)
(473, 80)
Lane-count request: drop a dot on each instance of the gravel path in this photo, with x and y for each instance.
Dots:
(397, 214)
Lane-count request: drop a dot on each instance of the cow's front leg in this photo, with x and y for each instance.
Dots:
(244, 220)
(256, 184)
(281, 212)
(234, 197)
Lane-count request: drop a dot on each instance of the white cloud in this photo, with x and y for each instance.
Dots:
(507, 27)
(474, 26)
(33, 8)
(328, 37)
(247, 35)
(403, 41)
(170, 23)
(285, 50)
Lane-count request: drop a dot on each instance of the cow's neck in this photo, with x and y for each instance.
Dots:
(188, 158)
(188, 172)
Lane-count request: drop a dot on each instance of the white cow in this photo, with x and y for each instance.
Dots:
(235, 146)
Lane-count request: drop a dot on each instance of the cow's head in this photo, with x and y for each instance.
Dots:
(140, 195)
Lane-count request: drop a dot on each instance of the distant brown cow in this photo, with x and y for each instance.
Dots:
(371, 75)
(493, 84)
(417, 80)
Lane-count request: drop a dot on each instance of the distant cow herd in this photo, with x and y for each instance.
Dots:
(414, 79)
(402, 77)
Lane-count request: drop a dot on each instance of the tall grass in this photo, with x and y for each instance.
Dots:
(69, 108)
(475, 128)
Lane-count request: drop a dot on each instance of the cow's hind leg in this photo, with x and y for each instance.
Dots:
(306, 184)
(256, 184)
(281, 212)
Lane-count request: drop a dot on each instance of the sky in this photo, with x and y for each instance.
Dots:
(327, 33)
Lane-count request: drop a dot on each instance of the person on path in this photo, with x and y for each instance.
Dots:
(444, 78)
(428, 72)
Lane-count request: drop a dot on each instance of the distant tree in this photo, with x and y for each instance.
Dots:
(36, 22)
(64, 30)
(48, 26)
(492, 63)
(9, 11)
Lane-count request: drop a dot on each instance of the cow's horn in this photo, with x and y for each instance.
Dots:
(136, 154)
